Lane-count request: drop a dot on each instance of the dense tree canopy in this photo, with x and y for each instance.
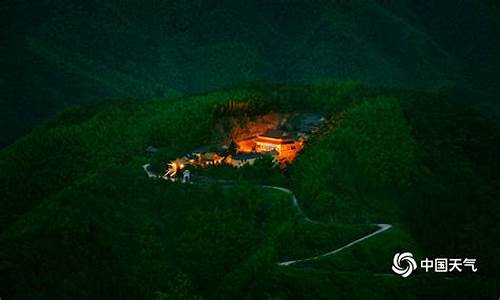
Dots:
(80, 218)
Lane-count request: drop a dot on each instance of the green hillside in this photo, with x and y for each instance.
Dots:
(80, 219)
(60, 53)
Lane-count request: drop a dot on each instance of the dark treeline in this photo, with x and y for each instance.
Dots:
(61, 53)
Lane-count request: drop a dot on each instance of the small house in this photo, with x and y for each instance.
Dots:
(239, 160)
(210, 155)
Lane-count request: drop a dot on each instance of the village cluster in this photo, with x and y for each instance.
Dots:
(281, 144)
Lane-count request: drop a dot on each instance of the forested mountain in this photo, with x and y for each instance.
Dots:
(80, 218)
(98, 97)
(59, 53)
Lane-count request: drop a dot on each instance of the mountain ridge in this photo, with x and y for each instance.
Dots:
(154, 49)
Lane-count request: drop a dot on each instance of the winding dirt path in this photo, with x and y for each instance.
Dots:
(382, 228)
(295, 203)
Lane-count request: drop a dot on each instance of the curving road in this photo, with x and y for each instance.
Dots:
(295, 203)
(382, 228)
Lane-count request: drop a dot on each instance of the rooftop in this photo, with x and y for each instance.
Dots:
(275, 134)
(274, 141)
(312, 119)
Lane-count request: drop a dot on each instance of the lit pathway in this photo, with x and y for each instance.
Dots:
(148, 171)
(295, 203)
(382, 228)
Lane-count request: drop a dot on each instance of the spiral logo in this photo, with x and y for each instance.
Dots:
(405, 259)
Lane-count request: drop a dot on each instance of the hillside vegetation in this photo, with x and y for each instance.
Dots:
(80, 219)
(61, 53)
